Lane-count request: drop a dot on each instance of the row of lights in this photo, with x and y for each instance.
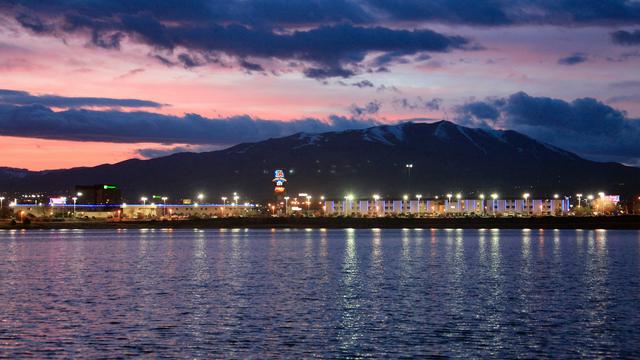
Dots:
(200, 198)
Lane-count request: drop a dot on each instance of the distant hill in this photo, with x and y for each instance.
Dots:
(446, 158)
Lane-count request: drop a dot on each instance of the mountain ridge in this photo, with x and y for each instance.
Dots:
(447, 158)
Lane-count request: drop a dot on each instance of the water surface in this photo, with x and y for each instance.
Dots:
(326, 293)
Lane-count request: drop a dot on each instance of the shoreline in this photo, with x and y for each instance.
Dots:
(628, 222)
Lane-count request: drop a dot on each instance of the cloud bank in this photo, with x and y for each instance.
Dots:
(14, 97)
(319, 38)
(38, 121)
(585, 126)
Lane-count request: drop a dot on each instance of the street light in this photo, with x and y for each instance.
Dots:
(74, 205)
(526, 200)
(349, 199)
(144, 200)
(1, 200)
(235, 198)
(458, 197)
(579, 196)
(409, 167)
(376, 197)
(494, 196)
(419, 196)
(446, 208)
(286, 205)
(200, 197)
(308, 203)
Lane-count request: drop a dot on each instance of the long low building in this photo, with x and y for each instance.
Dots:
(135, 211)
(445, 207)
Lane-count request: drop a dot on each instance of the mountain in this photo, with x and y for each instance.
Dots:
(446, 158)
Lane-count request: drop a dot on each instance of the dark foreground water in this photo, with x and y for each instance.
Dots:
(335, 293)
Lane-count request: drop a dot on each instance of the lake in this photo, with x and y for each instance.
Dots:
(319, 293)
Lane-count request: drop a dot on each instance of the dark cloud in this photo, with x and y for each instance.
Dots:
(359, 84)
(189, 61)
(249, 66)
(626, 38)
(509, 12)
(332, 38)
(39, 121)
(586, 126)
(573, 59)
(479, 110)
(13, 97)
(417, 103)
(363, 84)
(370, 108)
(324, 34)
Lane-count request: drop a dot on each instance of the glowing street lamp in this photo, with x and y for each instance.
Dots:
(494, 196)
(526, 200)
(419, 196)
(446, 208)
(579, 196)
(144, 200)
(409, 167)
(74, 204)
(376, 197)
(1, 200)
(235, 198)
(556, 196)
(164, 200)
(286, 204)
(200, 197)
(349, 201)
(308, 202)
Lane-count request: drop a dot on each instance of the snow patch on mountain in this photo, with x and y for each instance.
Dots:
(388, 134)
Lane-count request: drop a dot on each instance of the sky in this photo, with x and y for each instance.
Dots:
(89, 82)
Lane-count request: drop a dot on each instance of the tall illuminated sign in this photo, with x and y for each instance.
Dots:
(279, 181)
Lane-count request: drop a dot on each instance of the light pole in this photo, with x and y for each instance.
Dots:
(200, 197)
(579, 196)
(144, 200)
(404, 202)
(409, 167)
(235, 198)
(458, 197)
(419, 196)
(376, 197)
(286, 205)
(164, 205)
(482, 203)
(526, 201)
(348, 200)
(494, 196)
(308, 203)
(1, 200)
(446, 208)
(74, 205)
(224, 203)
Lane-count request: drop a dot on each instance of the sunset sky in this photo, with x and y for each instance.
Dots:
(89, 82)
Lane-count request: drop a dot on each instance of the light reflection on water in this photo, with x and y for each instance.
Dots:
(328, 293)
